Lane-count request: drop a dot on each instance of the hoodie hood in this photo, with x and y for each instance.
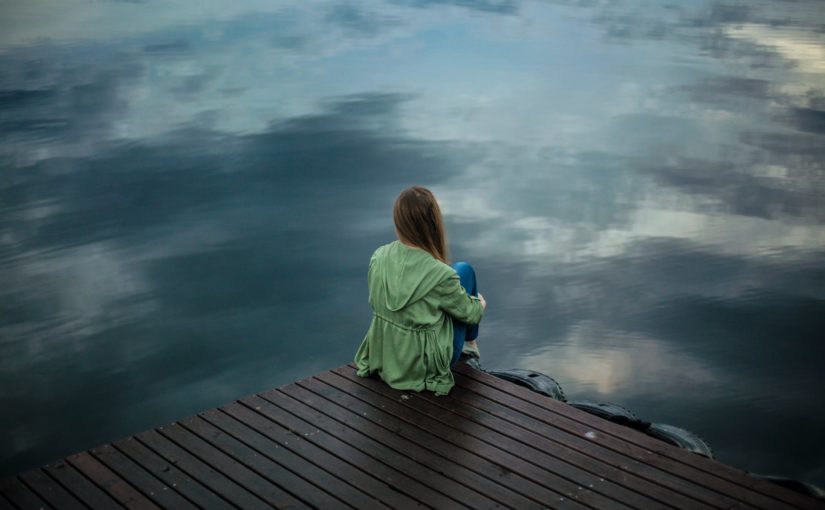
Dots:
(405, 274)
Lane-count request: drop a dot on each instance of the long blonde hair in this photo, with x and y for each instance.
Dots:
(418, 221)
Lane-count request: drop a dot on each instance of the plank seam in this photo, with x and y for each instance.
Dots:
(171, 487)
(634, 444)
(726, 472)
(3, 495)
(100, 486)
(488, 459)
(255, 470)
(217, 469)
(321, 411)
(297, 454)
(11, 480)
(123, 477)
(618, 465)
(435, 489)
(522, 457)
(489, 496)
(67, 489)
(5, 498)
(412, 495)
(182, 469)
(272, 459)
(677, 478)
(39, 496)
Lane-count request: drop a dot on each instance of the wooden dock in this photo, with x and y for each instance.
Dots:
(335, 440)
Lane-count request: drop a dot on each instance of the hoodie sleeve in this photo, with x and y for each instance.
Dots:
(454, 300)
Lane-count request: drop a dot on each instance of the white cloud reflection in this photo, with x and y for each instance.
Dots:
(174, 167)
(591, 360)
(803, 47)
(656, 213)
(93, 287)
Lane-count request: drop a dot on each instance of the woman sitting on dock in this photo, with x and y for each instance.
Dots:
(425, 312)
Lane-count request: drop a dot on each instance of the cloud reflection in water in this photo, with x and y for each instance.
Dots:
(639, 184)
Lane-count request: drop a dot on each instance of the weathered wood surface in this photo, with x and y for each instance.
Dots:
(335, 440)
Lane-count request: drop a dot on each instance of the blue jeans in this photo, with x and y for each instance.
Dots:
(461, 330)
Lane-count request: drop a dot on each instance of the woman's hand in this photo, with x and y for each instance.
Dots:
(483, 302)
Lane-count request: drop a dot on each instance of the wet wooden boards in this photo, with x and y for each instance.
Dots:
(336, 440)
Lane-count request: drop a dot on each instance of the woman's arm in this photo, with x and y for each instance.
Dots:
(454, 300)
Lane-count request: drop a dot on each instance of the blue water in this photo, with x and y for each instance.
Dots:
(190, 193)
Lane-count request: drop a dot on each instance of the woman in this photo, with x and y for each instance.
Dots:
(425, 312)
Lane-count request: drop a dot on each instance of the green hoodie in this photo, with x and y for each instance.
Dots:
(410, 340)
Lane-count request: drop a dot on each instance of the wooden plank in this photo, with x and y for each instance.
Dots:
(312, 463)
(421, 464)
(118, 488)
(280, 475)
(393, 485)
(543, 486)
(170, 475)
(5, 504)
(50, 491)
(80, 486)
(605, 464)
(201, 471)
(559, 415)
(267, 491)
(361, 449)
(776, 495)
(501, 433)
(20, 495)
(336, 440)
(163, 495)
(427, 449)
(583, 453)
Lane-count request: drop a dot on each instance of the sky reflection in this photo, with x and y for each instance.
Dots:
(186, 191)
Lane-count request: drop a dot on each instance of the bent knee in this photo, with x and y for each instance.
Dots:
(464, 269)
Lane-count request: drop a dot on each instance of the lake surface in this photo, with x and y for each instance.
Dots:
(190, 194)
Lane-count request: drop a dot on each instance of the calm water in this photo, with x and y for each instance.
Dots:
(189, 196)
